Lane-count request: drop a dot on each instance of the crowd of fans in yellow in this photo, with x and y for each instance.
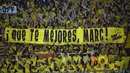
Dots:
(69, 58)
(67, 14)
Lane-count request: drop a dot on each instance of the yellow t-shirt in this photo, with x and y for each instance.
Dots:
(112, 58)
(14, 47)
(34, 59)
(111, 66)
(123, 52)
(53, 14)
(52, 66)
(100, 11)
(62, 69)
(41, 69)
(11, 68)
(102, 66)
(10, 50)
(58, 61)
(19, 53)
(96, 67)
(92, 70)
(77, 59)
(20, 70)
(70, 59)
(4, 68)
(119, 63)
(34, 70)
(71, 70)
(27, 68)
(64, 60)
(86, 59)
(100, 57)
(47, 69)
(49, 59)
(88, 66)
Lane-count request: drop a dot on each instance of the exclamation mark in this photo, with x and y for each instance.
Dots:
(7, 35)
(106, 33)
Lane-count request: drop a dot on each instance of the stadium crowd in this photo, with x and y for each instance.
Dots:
(69, 58)
(67, 14)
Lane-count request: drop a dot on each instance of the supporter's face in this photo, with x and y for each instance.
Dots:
(27, 65)
(112, 51)
(12, 67)
(95, 62)
(70, 67)
(92, 66)
(4, 66)
(19, 57)
(24, 61)
(109, 61)
(56, 68)
(59, 50)
(107, 66)
(99, 65)
(102, 60)
(2, 61)
(38, 64)
(59, 56)
(119, 59)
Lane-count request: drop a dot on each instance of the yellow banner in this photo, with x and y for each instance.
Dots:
(65, 36)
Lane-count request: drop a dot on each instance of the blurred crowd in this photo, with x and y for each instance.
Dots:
(69, 58)
(67, 14)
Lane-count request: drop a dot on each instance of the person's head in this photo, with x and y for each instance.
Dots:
(107, 66)
(68, 62)
(99, 65)
(19, 58)
(84, 66)
(31, 62)
(95, 62)
(115, 66)
(74, 63)
(118, 67)
(102, 60)
(59, 56)
(38, 64)
(65, 68)
(119, 58)
(111, 51)
(24, 61)
(19, 66)
(56, 68)
(109, 61)
(27, 65)
(92, 66)
(70, 67)
(12, 67)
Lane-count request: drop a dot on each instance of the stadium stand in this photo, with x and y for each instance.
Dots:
(67, 14)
